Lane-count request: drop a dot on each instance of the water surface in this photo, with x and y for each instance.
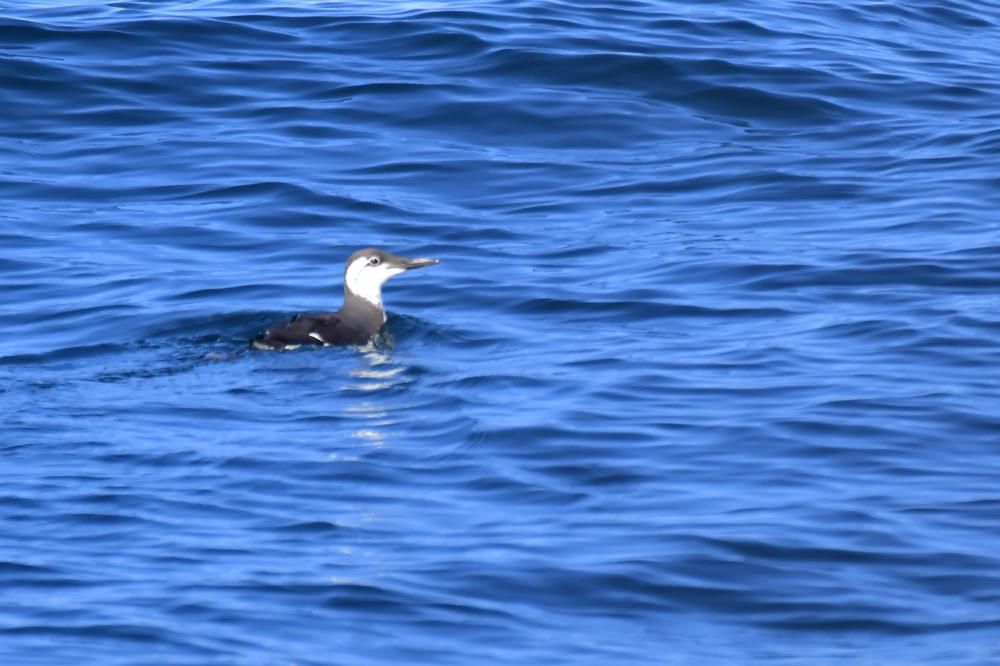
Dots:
(707, 374)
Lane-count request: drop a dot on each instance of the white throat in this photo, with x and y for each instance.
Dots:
(365, 281)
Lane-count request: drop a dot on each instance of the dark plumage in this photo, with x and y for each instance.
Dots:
(362, 314)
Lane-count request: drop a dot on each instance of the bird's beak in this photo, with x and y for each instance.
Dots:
(409, 264)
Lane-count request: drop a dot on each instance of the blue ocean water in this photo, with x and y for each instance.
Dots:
(707, 374)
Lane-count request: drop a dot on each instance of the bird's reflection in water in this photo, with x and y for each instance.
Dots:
(378, 373)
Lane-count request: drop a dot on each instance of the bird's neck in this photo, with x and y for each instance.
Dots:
(363, 287)
(367, 304)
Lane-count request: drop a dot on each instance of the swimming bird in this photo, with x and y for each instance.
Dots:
(362, 314)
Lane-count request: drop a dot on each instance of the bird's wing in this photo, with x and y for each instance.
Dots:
(317, 330)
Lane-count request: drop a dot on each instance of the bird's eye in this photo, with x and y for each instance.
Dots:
(374, 261)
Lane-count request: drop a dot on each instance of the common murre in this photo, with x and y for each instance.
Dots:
(362, 314)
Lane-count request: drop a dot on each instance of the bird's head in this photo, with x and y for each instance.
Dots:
(368, 269)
